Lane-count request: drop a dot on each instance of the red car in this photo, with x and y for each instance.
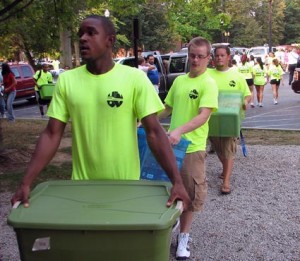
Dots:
(25, 82)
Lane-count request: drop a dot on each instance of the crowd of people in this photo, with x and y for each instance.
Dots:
(258, 74)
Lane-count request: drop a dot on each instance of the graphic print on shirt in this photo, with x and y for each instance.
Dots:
(115, 99)
(194, 94)
(232, 83)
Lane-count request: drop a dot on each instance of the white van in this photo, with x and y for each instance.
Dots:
(260, 51)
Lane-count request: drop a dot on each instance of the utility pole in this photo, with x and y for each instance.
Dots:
(270, 26)
(135, 40)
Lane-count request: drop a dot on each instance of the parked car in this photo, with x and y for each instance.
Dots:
(25, 82)
(130, 61)
(178, 65)
(169, 67)
(260, 51)
(240, 50)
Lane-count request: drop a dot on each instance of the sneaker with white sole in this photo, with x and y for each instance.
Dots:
(275, 102)
(183, 251)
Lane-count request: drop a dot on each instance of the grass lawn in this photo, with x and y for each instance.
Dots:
(19, 140)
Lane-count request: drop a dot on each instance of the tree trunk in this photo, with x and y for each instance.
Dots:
(65, 48)
(77, 56)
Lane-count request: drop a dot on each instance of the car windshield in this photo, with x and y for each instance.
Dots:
(257, 51)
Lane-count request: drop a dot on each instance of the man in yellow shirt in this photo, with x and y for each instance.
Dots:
(227, 79)
(103, 100)
(191, 100)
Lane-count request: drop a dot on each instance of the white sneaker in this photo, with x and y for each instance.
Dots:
(275, 101)
(260, 104)
(252, 105)
(183, 251)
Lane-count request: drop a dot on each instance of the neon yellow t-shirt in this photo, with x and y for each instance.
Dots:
(275, 72)
(186, 96)
(259, 75)
(45, 78)
(230, 80)
(104, 111)
(246, 70)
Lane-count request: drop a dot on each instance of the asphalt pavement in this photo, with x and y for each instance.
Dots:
(283, 116)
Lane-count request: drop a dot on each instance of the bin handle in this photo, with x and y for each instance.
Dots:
(179, 205)
(16, 204)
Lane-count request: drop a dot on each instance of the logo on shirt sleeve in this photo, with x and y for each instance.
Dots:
(114, 99)
(194, 94)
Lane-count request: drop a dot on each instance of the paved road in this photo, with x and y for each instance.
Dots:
(285, 115)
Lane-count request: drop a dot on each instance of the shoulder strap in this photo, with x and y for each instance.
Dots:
(39, 76)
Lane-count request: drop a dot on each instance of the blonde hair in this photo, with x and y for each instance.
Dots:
(200, 41)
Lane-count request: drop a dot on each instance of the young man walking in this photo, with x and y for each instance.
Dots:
(191, 100)
(104, 118)
(229, 80)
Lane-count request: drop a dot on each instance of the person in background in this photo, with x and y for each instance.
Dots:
(153, 74)
(269, 59)
(234, 66)
(55, 65)
(293, 58)
(246, 70)
(259, 75)
(237, 58)
(279, 55)
(103, 119)
(227, 80)
(191, 100)
(145, 67)
(2, 101)
(251, 60)
(10, 84)
(41, 77)
(275, 73)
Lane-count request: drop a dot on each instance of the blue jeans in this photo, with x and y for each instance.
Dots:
(9, 105)
(2, 105)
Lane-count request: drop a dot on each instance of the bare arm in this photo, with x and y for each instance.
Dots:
(196, 122)
(247, 100)
(166, 112)
(45, 149)
(161, 149)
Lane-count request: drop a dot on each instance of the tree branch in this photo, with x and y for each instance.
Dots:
(8, 8)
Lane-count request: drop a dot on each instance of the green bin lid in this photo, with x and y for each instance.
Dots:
(97, 205)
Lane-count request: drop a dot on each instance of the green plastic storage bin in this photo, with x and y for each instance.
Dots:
(95, 220)
(226, 121)
(46, 91)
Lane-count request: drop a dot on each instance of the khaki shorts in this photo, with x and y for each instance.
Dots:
(194, 178)
(225, 147)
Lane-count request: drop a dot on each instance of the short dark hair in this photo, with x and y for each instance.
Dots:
(221, 46)
(200, 41)
(149, 55)
(106, 22)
